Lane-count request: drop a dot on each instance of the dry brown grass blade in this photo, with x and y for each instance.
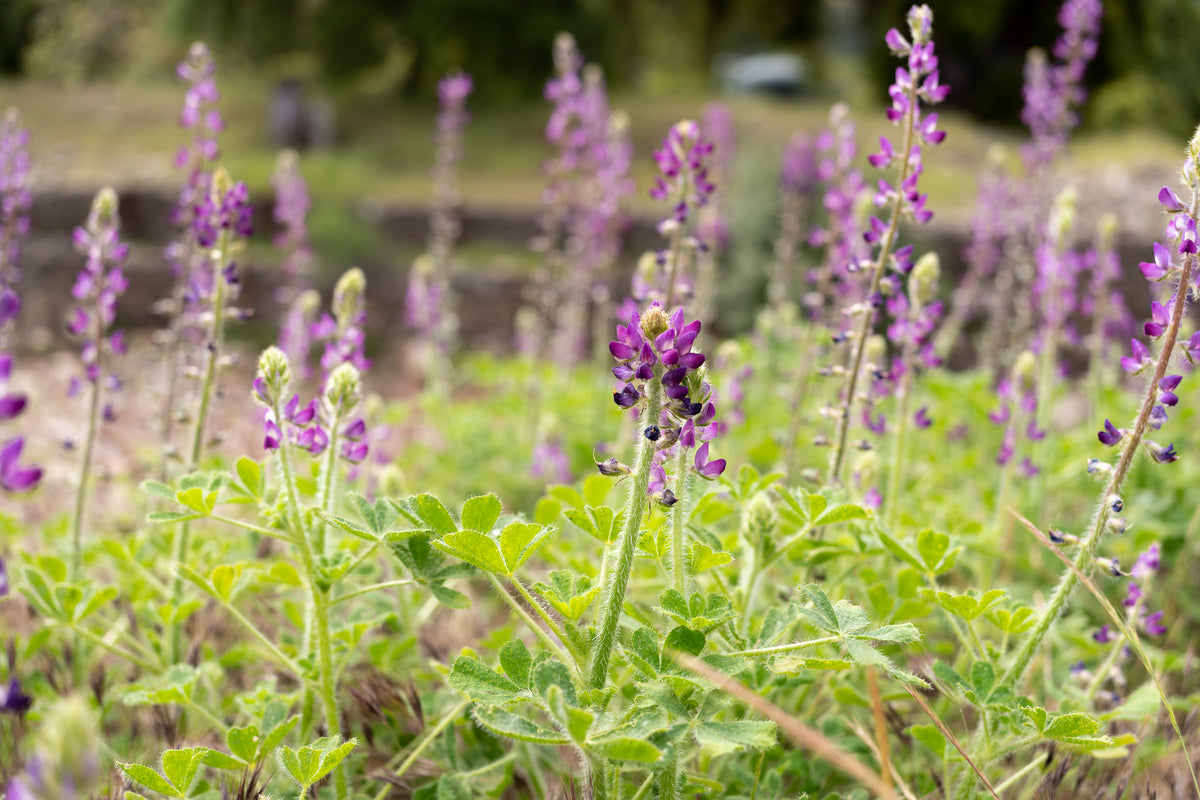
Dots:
(881, 740)
(868, 740)
(808, 738)
(950, 737)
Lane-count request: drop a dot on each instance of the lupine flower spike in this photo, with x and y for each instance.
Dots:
(916, 83)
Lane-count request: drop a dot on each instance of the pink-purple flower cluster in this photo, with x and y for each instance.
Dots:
(427, 297)
(98, 286)
(199, 156)
(658, 347)
(1167, 268)
(683, 173)
(291, 214)
(1054, 92)
(306, 426)
(915, 84)
(14, 224)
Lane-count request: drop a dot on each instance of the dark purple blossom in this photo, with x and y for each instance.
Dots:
(1111, 434)
(13, 476)
(13, 699)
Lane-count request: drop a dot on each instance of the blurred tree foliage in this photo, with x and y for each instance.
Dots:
(1147, 70)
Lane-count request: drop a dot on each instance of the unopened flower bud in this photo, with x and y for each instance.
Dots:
(1117, 525)
(1110, 565)
(1059, 537)
(1062, 215)
(104, 209)
(348, 294)
(923, 280)
(866, 467)
(1097, 467)
(611, 467)
(1115, 503)
(654, 321)
(759, 518)
(876, 350)
(274, 373)
(1024, 370)
(343, 389)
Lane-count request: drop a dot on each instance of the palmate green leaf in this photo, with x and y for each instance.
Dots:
(596, 488)
(550, 673)
(311, 763)
(519, 541)
(932, 546)
(218, 760)
(94, 598)
(180, 766)
(1011, 621)
(171, 517)
(516, 662)
(475, 548)
(504, 723)
(898, 550)
(481, 683)
(851, 618)
(158, 489)
(793, 664)
(450, 598)
(625, 748)
(685, 640)
(720, 738)
(841, 513)
(250, 473)
(243, 742)
(434, 514)
(568, 496)
(1070, 727)
(147, 777)
(822, 612)
(701, 557)
(596, 521)
(352, 528)
(965, 606)
(195, 499)
(666, 699)
(643, 652)
(480, 513)
(930, 737)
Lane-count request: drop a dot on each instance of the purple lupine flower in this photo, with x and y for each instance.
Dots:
(13, 476)
(587, 179)
(1103, 635)
(921, 418)
(99, 284)
(228, 212)
(198, 158)
(427, 299)
(15, 199)
(291, 213)
(1054, 92)
(1139, 361)
(344, 333)
(550, 462)
(4, 587)
(1152, 624)
(655, 346)
(1111, 434)
(13, 699)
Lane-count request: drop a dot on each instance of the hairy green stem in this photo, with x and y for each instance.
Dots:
(328, 485)
(1090, 543)
(838, 457)
(903, 392)
(85, 469)
(617, 580)
(785, 648)
(534, 628)
(678, 511)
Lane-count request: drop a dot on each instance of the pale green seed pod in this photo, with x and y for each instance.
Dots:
(104, 208)
(875, 350)
(759, 518)
(866, 466)
(343, 388)
(1062, 215)
(923, 280)
(1024, 370)
(348, 295)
